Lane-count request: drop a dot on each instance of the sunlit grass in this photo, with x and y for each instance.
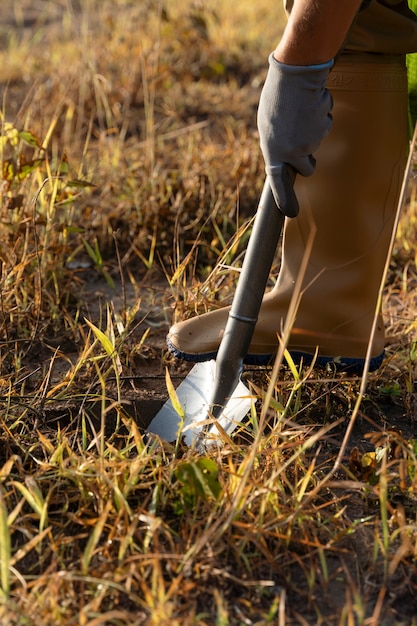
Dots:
(130, 159)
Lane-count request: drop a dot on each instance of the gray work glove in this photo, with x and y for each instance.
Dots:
(294, 115)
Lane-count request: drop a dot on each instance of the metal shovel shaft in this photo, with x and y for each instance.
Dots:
(267, 227)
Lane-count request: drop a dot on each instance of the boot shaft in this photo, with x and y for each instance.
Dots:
(352, 200)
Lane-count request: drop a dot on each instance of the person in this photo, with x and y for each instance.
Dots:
(334, 107)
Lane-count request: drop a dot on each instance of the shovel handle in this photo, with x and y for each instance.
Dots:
(285, 198)
(266, 231)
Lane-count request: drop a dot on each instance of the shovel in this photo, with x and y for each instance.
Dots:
(213, 389)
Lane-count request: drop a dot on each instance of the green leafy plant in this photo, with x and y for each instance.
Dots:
(199, 480)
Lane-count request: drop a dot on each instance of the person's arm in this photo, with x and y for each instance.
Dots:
(294, 113)
(315, 31)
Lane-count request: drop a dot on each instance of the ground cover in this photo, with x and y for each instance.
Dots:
(130, 160)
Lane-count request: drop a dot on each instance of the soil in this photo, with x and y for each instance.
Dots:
(144, 389)
(144, 392)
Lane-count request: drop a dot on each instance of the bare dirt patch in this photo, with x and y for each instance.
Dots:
(323, 564)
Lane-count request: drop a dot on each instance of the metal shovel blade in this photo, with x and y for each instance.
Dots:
(194, 395)
(213, 389)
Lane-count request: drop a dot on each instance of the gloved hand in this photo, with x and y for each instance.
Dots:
(294, 115)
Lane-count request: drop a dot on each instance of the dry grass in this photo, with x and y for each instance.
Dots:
(130, 159)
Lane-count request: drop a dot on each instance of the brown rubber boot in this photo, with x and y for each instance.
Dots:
(352, 198)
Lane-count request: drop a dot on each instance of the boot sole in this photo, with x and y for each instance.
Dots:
(351, 365)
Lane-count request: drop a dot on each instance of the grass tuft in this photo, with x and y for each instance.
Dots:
(130, 169)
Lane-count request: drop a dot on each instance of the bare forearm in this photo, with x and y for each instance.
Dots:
(315, 31)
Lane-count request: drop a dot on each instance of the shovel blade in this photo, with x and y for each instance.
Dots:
(194, 395)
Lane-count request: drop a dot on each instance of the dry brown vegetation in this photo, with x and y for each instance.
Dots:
(130, 159)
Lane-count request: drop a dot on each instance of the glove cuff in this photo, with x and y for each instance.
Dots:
(300, 69)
